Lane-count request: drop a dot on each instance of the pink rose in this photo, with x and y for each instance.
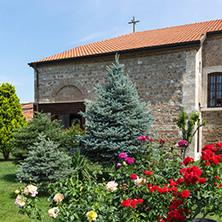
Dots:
(183, 143)
(129, 161)
(122, 156)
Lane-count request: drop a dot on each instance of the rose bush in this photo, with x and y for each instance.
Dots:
(153, 187)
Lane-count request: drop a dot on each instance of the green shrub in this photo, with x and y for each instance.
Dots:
(26, 136)
(45, 163)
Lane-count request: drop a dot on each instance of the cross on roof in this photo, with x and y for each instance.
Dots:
(134, 23)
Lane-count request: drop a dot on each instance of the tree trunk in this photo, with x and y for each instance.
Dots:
(6, 155)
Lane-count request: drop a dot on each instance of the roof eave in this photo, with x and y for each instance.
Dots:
(180, 45)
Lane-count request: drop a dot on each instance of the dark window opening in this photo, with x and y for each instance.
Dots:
(67, 120)
(215, 90)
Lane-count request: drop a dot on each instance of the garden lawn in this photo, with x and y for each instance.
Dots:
(8, 210)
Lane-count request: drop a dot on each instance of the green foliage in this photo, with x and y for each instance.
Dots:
(26, 136)
(115, 119)
(187, 125)
(11, 117)
(160, 195)
(45, 163)
(81, 165)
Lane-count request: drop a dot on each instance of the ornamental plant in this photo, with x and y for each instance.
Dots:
(11, 117)
(45, 163)
(115, 118)
(138, 192)
(189, 125)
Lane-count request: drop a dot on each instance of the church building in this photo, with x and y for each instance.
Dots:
(173, 68)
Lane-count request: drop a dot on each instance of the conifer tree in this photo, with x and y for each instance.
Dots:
(26, 136)
(115, 119)
(11, 116)
(45, 163)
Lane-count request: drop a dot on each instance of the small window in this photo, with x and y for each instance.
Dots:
(215, 90)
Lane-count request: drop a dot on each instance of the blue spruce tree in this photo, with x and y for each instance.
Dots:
(115, 119)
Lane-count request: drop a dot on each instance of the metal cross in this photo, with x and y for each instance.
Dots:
(134, 23)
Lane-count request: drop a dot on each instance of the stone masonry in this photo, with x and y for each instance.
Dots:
(166, 80)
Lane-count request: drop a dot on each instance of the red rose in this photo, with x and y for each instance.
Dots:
(185, 194)
(202, 180)
(180, 181)
(182, 171)
(174, 189)
(188, 160)
(134, 202)
(207, 164)
(220, 185)
(148, 173)
(217, 177)
(133, 176)
(215, 184)
(182, 218)
(126, 203)
(215, 161)
(174, 194)
(140, 200)
(194, 179)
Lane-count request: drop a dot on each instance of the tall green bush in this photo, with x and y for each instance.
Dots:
(11, 117)
(26, 136)
(115, 119)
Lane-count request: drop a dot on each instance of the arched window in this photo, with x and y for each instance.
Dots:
(215, 90)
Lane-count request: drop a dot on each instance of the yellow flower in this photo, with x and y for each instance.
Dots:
(17, 191)
(80, 188)
(91, 216)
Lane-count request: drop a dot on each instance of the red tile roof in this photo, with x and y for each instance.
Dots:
(28, 110)
(137, 40)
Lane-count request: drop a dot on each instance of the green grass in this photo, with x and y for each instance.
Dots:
(8, 210)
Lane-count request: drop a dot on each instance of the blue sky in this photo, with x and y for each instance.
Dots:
(35, 29)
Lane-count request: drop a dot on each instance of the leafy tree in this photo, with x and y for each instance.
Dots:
(11, 116)
(189, 125)
(26, 136)
(116, 119)
(45, 163)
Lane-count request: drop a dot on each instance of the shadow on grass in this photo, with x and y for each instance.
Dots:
(9, 178)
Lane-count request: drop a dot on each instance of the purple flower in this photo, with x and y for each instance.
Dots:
(129, 161)
(183, 143)
(182, 163)
(122, 156)
(118, 165)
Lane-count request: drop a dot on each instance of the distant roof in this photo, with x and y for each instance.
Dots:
(139, 40)
(28, 110)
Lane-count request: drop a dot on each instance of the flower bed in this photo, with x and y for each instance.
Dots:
(157, 186)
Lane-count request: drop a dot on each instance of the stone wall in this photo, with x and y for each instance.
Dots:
(212, 62)
(212, 132)
(165, 80)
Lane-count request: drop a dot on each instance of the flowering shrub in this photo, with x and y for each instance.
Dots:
(26, 200)
(138, 191)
